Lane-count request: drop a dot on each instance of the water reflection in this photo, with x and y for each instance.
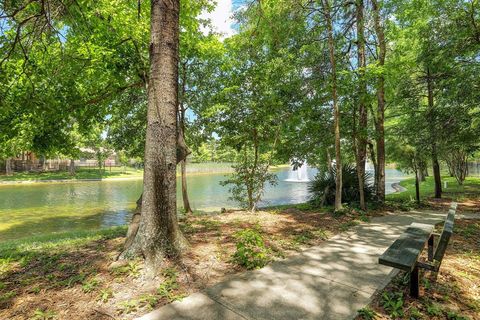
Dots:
(37, 209)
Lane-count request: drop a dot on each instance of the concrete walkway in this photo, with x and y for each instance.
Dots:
(330, 281)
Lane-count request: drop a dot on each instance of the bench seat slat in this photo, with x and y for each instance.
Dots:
(404, 252)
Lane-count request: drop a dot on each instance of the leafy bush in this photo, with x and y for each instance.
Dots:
(322, 188)
(452, 315)
(247, 183)
(434, 309)
(251, 250)
(414, 314)
(393, 304)
(366, 313)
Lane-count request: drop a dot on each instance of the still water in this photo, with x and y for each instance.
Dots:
(43, 208)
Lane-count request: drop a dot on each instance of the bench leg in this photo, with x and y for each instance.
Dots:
(414, 280)
(430, 248)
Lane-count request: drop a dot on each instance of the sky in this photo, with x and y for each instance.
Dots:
(221, 16)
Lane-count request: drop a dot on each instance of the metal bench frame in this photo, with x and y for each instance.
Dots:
(435, 256)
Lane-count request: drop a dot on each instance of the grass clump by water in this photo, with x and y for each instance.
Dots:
(80, 174)
(25, 249)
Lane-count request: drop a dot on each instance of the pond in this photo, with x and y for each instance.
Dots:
(44, 208)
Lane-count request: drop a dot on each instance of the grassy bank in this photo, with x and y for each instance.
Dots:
(80, 174)
(119, 172)
(453, 191)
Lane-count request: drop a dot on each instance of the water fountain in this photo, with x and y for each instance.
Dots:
(298, 175)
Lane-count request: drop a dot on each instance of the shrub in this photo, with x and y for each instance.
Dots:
(251, 250)
(322, 188)
(366, 313)
(393, 304)
(247, 182)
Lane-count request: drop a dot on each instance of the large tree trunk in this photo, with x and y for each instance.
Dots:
(432, 118)
(158, 232)
(380, 183)
(362, 110)
(8, 167)
(336, 109)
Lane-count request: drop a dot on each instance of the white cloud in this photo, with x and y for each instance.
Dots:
(221, 18)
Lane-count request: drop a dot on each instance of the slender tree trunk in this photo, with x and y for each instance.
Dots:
(71, 168)
(421, 174)
(432, 119)
(253, 174)
(183, 163)
(8, 167)
(373, 157)
(380, 103)
(417, 185)
(362, 110)
(329, 160)
(336, 109)
(186, 202)
(42, 163)
(450, 168)
(158, 232)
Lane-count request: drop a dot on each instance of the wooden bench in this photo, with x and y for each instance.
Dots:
(405, 251)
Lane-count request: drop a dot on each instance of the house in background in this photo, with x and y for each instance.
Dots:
(30, 162)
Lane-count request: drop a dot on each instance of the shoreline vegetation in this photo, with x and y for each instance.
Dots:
(115, 173)
(31, 268)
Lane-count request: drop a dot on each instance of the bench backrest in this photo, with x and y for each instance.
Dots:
(446, 234)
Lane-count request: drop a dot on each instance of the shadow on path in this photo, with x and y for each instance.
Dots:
(329, 281)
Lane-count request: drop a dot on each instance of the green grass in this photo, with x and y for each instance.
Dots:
(120, 172)
(83, 173)
(470, 188)
(17, 250)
